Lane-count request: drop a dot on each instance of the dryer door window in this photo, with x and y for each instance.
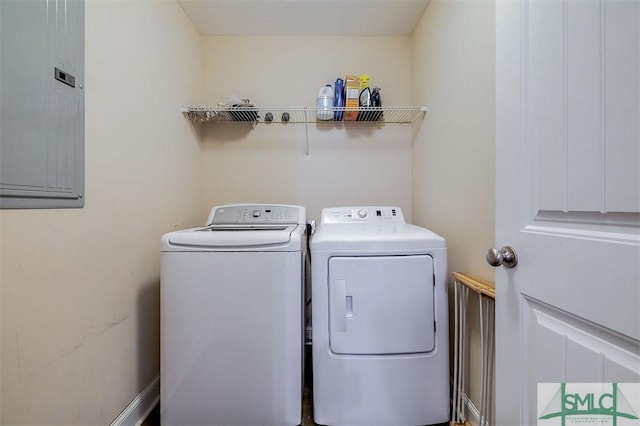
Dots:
(381, 305)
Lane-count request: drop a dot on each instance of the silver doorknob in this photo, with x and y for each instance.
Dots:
(505, 256)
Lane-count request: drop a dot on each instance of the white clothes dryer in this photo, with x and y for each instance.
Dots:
(232, 318)
(380, 323)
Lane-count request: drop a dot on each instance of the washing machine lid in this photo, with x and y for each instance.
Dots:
(234, 236)
(277, 227)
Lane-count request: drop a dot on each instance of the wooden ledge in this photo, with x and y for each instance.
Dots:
(476, 284)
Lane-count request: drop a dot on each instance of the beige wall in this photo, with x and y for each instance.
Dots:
(80, 288)
(346, 164)
(453, 156)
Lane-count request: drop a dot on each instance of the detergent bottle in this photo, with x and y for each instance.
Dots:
(338, 99)
(376, 102)
(324, 103)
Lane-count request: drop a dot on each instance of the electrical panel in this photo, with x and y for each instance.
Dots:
(42, 104)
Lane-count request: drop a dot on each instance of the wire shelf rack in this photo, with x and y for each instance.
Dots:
(292, 115)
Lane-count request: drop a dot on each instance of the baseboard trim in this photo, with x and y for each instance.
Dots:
(471, 411)
(140, 407)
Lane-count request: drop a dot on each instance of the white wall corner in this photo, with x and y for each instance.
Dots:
(140, 407)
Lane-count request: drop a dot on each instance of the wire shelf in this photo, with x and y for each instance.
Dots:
(292, 115)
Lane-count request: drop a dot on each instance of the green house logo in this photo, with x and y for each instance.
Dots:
(589, 403)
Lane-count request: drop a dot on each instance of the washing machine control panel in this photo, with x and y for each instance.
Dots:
(256, 214)
(362, 214)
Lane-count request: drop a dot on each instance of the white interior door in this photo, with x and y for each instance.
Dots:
(568, 197)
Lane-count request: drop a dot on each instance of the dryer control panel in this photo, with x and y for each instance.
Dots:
(362, 214)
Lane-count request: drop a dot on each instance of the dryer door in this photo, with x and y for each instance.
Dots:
(381, 305)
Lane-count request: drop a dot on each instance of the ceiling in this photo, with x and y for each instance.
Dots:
(305, 17)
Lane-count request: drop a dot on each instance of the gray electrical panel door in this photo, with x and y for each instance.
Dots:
(41, 103)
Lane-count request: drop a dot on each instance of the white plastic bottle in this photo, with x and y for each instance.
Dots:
(324, 103)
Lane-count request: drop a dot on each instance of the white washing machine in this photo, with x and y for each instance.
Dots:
(380, 324)
(232, 318)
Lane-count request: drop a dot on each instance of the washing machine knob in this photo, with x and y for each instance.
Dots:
(256, 213)
(362, 214)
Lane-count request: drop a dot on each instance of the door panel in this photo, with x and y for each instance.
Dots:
(565, 348)
(381, 304)
(582, 83)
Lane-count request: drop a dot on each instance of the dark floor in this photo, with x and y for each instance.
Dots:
(307, 407)
(153, 419)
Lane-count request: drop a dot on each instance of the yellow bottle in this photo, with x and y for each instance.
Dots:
(365, 98)
(365, 92)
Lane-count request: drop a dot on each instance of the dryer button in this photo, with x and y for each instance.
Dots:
(362, 214)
